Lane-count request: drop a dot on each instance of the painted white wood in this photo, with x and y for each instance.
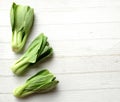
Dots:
(83, 15)
(62, 4)
(69, 96)
(67, 65)
(69, 32)
(73, 48)
(70, 82)
(85, 36)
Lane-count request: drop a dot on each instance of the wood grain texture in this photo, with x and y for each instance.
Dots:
(70, 82)
(85, 36)
(70, 96)
(61, 65)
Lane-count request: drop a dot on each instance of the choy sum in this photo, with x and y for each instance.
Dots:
(21, 18)
(41, 82)
(38, 50)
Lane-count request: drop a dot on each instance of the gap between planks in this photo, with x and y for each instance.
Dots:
(70, 73)
(79, 90)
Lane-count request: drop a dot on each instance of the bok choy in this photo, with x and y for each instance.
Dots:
(38, 50)
(21, 18)
(42, 82)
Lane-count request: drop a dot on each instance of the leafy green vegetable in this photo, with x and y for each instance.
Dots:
(21, 18)
(38, 50)
(41, 82)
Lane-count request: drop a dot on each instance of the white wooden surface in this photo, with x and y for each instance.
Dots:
(85, 35)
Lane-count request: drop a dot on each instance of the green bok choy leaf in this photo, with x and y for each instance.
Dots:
(21, 18)
(38, 50)
(42, 82)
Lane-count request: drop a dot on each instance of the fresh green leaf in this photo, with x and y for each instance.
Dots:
(42, 82)
(38, 50)
(21, 18)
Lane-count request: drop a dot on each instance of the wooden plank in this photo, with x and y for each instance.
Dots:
(70, 82)
(69, 32)
(70, 65)
(84, 15)
(61, 4)
(70, 96)
(72, 48)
